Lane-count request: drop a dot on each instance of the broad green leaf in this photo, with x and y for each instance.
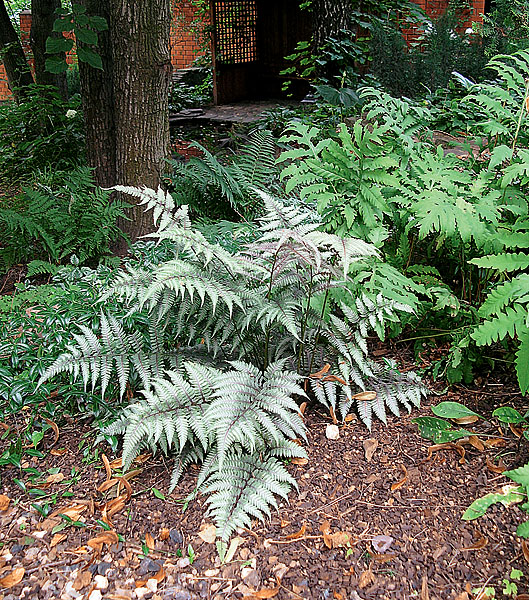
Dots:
(508, 495)
(439, 430)
(520, 475)
(56, 64)
(98, 23)
(158, 494)
(87, 55)
(63, 24)
(453, 410)
(500, 154)
(506, 414)
(523, 529)
(58, 44)
(86, 36)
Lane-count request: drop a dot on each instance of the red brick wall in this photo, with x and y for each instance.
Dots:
(435, 8)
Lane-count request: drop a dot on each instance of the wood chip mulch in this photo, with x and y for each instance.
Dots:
(375, 518)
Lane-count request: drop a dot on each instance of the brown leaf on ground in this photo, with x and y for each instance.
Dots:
(447, 446)
(525, 550)
(59, 451)
(325, 528)
(340, 539)
(466, 420)
(149, 541)
(494, 442)
(117, 463)
(55, 478)
(366, 578)
(13, 578)
(462, 596)
(301, 462)
(370, 447)
(480, 543)
(106, 485)
(473, 440)
(517, 431)
(382, 543)
(397, 485)
(298, 534)
(365, 396)
(284, 523)
(333, 415)
(124, 482)
(57, 539)
(382, 558)
(208, 533)
(321, 373)
(303, 408)
(499, 468)
(82, 580)
(106, 462)
(55, 428)
(164, 534)
(107, 537)
(4, 502)
(266, 592)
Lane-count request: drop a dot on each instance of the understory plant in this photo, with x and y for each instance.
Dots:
(224, 344)
(59, 216)
(451, 229)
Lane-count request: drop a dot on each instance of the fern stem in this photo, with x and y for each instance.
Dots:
(317, 337)
(268, 295)
(524, 103)
(305, 320)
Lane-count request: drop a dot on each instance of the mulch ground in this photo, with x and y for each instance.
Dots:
(325, 543)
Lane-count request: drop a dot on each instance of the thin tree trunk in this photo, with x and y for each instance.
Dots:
(16, 65)
(329, 18)
(140, 31)
(42, 20)
(98, 103)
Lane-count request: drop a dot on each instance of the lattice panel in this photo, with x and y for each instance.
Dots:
(236, 31)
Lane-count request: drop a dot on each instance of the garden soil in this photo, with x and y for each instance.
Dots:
(377, 516)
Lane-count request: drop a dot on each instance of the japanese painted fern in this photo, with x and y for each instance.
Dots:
(226, 343)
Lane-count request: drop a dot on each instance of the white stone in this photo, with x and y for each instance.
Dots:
(332, 432)
(101, 582)
(152, 584)
(95, 595)
(141, 591)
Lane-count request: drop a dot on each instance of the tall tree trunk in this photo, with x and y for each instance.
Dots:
(42, 20)
(16, 65)
(330, 17)
(98, 103)
(140, 30)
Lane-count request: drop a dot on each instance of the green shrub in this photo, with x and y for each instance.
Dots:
(41, 132)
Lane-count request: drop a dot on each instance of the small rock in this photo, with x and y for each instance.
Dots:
(176, 537)
(70, 591)
(250, 577)
(182, 563)
(141, 592)
(16, 548)
(148, 565)
(116, 547)
(103, 567)
(95, 595)
(332, 432)
(31, 554)
(101, 582)
(152, 584)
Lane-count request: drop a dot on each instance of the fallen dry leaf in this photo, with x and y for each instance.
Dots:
(395, 486)
(525, 550)
(481, 542)
(106, 485)
(493, 442)
(107, 537)
(59, 451)
(13, 578)
(466, 420)
(117, 463)
(325, 528)
(382, 558)
(333, 415)
(284, 523)
(234, 544)
(298, 534)
(164, 534)
(366, 578)
(124, 482)
(303, 408)
(208, 533)
(365, 396)
(370, 447)
(55, 428)
(57, 539)
(106, 463)
(447, 446)
(82, 580)
(268, 593)
(321, 373)
(149, 541)
(517, 431)
(55, 478)
(473, 440)
(339, 539)
(301, 462)
(4, 502)
(499, 468)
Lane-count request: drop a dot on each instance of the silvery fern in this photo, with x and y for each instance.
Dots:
(227, 343)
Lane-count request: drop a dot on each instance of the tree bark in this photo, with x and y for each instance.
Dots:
(16, 65)
(42, 20)
(140, 31)
(97, 95)
(329, 18)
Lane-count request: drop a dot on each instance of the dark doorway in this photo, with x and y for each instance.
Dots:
(250, 40)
